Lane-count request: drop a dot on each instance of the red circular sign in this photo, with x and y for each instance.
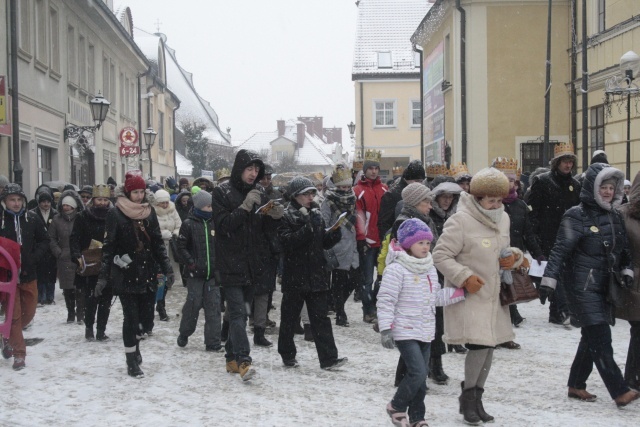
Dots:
(129, 136)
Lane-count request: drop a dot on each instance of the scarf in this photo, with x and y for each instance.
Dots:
(202, 214)
(133, 210)
(339, 202)
(97, 213)
(413, 212)
(16, 223)
(512, 197)
(495, 215)
(413, 264)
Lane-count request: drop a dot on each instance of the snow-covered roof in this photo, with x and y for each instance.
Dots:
(387, 26)
(312, 152)
(183, 165)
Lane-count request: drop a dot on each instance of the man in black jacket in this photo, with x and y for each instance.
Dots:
(243, 248)
(26, 229)
(552, 194)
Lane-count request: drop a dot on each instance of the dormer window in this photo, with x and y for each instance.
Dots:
(384, 60)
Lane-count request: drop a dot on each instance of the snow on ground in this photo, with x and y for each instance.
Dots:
(69, 381)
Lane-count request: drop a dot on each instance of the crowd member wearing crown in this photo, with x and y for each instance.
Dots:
(520, 231)
(552, 194)
(369, 192)
(461, 174)
(414, 172)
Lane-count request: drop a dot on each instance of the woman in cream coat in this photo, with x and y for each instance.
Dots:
(468, 255)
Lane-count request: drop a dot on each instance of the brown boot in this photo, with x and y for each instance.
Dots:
(582, 395)
(626, 398)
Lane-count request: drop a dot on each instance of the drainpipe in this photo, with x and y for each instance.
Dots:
(463, 79)
(139, 76)
(15, 119)
(361, 122)
(574, 71)
(547, 93)
(421, 98)
(585, 91)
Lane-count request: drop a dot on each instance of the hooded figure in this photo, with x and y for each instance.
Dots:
(46, 270)
(184, 208)
(445, 197)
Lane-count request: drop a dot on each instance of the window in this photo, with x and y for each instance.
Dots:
(122, 100)
(112, 85)
(24, 17)
(384, 113)
(105, 79)
(597, 128)
(416, 114)
(601, 15)
(125, 97)
(82, 62)
(384, 60)
(54, 28)
(281, 155)
(446, 60)
(71, 55)
(161, 130)
(44, 165)
(41, 33)
(91, 69)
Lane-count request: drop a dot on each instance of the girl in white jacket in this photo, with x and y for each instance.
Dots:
(408, 295)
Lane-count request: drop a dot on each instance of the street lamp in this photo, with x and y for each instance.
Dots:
(352, 131)
(630, 68)
(149, 140)
(99, 109)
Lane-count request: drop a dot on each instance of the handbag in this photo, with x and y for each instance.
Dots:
(522, 289)
(331, 259)
(92, 259)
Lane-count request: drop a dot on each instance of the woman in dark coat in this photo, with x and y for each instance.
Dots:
(304, 278)
(184, 204)
(47, 269)
(132, 257)
(591, 242)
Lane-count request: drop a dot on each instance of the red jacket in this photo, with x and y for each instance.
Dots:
(368, 197)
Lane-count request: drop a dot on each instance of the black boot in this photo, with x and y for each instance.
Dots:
(456, 348)
(224, 334)
(486, 418)
(298, 329)
(133, 368)
(101, 336)
(436, 372)
(308, 333)
(70, 302)
(162, 313)
(468, 407)
(259, 339)
(138, 355)
(88, 333)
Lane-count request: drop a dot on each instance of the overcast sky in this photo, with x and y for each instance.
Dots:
(258, 61)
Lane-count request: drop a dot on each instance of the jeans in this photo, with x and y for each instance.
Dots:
(595, 347)
(202, 294)
(237, 346)
(46, 292)
(413, 388)
(632, 368)
(367, 264)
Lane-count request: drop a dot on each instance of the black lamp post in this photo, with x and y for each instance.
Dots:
(352, 131)
(99, 109)
(149, 140)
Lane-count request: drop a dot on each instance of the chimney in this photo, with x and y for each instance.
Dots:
(301, 135)
(337, 135)
(317, 121)
(281, 127)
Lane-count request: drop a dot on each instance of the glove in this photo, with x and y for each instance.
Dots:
(386, 338)
(362, 246)
(80, 264)
(276, 212)
(102, 283)
(253, 198)
(304, 211)
(540, 258)
(507, 262)
(546, 290)
(316, 218)
(525, 264)
(473, 284)
(170, 280)
(376, 284)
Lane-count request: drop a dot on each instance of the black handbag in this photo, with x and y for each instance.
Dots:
(522, 289)
(331, 259)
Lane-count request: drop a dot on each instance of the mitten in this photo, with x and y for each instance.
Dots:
(100, 285)
(386, 338)
(276, 212)
(473, 284)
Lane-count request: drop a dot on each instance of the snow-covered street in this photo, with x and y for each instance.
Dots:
(69, 381)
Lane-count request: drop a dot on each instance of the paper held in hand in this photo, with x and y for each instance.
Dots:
(341, 220)
(537, 270)
(267, 206)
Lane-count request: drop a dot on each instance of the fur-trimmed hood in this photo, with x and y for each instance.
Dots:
(76, 197)
(445, 187)
(595, 175)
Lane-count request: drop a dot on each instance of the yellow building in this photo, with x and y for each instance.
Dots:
(386, 75)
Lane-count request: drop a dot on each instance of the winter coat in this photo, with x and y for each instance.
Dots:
(521, 232)
(169, 221)
(120, 239)
(471, 244)
(196, 247)
(437, 214)
(346, 250)
(183, 211)
(242, 238)
(408, 213)
(304, 240)
(631, 214)
(579, 254)
(60, 232)
(390, 199)
(35, 241)
(46, 270)
(551, 195)
(89, 225)
(407, 299)
(369, 196)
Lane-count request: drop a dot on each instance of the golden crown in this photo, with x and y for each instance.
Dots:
(563, 149)
(435, 169)
(340, 175)
(223, 173)
(101, 190)
(397, 170)
(357, 165)
(506, 165)
(373, 155)
(459, 170)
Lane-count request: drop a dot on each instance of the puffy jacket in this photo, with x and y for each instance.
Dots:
(242, 242)
(196, 245)
(304, 240)
(579, 253)
(89, 225)
(169, 221)
(369, 196)
(390, 199)
(521, 231)
(60, 232)
(551, 195)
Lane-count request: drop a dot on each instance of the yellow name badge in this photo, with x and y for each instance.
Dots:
(213, 233)
(571, 188)
(486, 243)
(594, 229)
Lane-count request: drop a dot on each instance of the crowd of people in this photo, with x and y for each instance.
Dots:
(425, 253)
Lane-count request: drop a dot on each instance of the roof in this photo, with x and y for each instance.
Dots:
(183, 165)
(312, 152)
(387, 26)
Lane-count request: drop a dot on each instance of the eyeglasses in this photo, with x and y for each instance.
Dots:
(309, 193)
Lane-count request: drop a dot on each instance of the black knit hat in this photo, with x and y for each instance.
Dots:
(299, 185)
(415, 170)
(87, 189)
(44, 196)
(111, 181)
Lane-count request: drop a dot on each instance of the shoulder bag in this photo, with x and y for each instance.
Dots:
(522, 289)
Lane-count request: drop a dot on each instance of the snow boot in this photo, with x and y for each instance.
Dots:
(88, 333)
(486, 418)
(246, 371)
(133, 368)
(70, 302)
(18, 363)
(7, 350)
(469, 407)
(138, 355)
(182, 340)
(224, 334)
(259, 339)
(308, 333)
(436, 372)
